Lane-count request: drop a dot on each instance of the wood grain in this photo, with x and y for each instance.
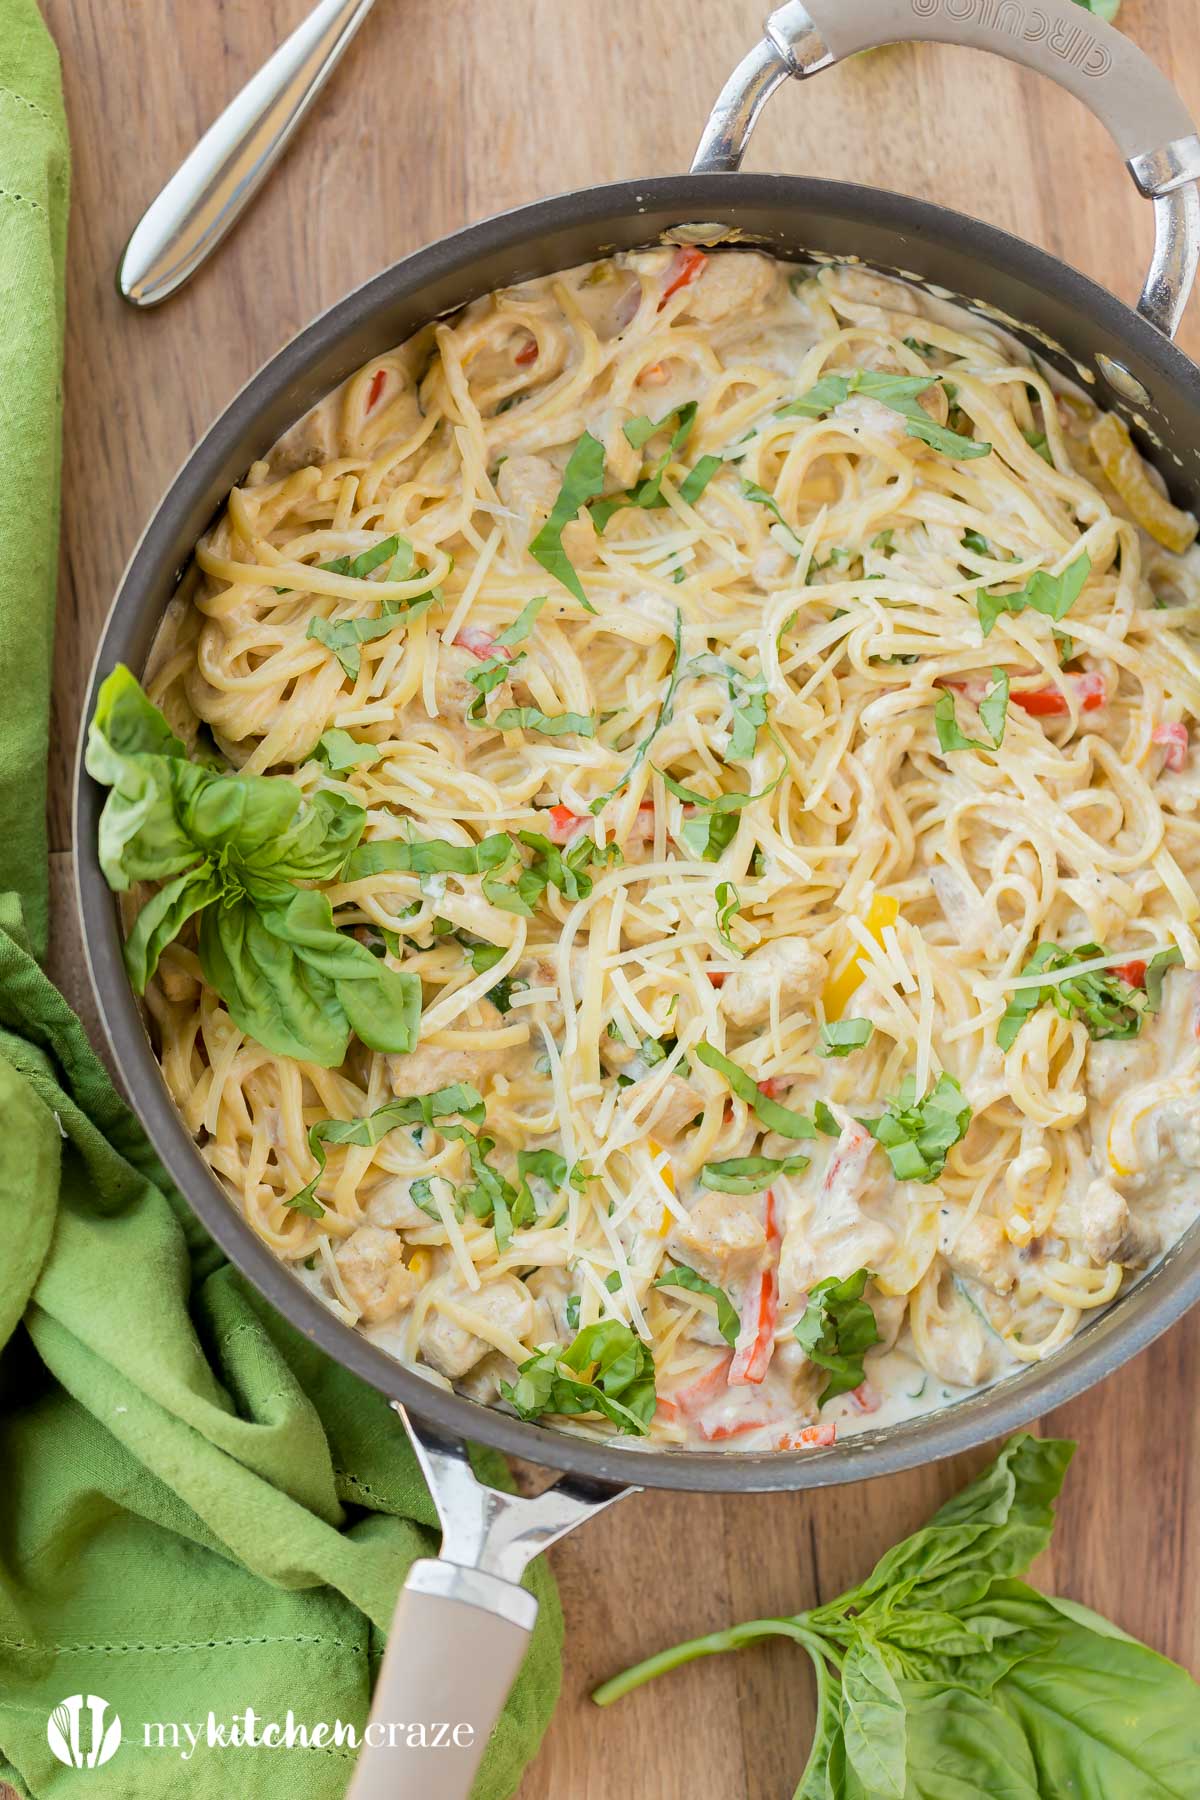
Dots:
(442, 112)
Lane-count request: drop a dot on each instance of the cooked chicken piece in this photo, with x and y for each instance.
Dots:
(542, 972)
(675, 1105)
(962, 1352)
(889, 1310)
(1111, 1233)
(789, 967)
(861, 288)
(979, 1250)
(1179, 1124)
(805, 1380)
(839, 1237)
(432, 1066)
(391, 1203)
(724, 1238)
(731, 282)
(615, 1053)
(551, 1288)
(450, 1348)
(956, 1341)
(370, 1263)
(482, 1383)
(1113, 1064)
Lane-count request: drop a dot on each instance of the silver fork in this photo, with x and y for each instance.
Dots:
(213, 186)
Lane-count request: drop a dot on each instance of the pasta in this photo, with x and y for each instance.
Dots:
(768, 701)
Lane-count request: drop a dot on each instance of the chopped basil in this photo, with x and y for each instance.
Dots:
(708, 837)
(338, 751)
(917, 1134)
(429, 856)
(583, 479)
(607, 1369)
(975, 540)
(900, 392)
(571, 1311)
(1156, 970)
(698, 478)
(836, 1331)
(728, 1323)
(1053, 595)
(1037, 440)
(749, 1174)
(429, 1109)
(769, 1113)
(1109, 1006)
(648, 493)
(728, 901)
(839, 1037)
(825, 1122)
(993, 713)
(530, 718)
(345, 636)
(663, 717)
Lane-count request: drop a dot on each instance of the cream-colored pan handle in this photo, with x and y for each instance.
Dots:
(455, 1648)
(1134, 100)
(461, 1626)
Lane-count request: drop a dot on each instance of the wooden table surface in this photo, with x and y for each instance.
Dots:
(442, 112)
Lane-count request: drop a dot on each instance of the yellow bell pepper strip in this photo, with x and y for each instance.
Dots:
(883, 911)
(1124, 470)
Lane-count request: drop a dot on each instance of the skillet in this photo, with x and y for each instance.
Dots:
(463, 1621)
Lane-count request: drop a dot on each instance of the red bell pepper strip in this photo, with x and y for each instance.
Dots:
(378, 382)
(686, 267)
(813, 1437)
(1174, 739)
(760, 1309)
(528, 353)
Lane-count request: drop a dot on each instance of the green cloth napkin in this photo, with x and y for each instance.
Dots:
(199, 1512)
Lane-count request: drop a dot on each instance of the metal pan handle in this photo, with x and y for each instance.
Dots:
(462, 1624)
(1133, 100)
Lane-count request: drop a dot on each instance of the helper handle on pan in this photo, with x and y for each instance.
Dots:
(216, 181)
(1132, 98)
(462, 1624)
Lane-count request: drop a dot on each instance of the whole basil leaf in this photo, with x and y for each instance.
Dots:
(132, 751)
(1103, 1715)
(382, 1005)
(163, 918)
(271, 993)
(873, 1722)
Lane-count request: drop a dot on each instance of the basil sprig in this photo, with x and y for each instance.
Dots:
(917, 1134)
(728, 1322)
(943, 1674)
(901, 393)
(1053, 595)
(836, 1330)
(583, 479)
(749, 1174)
(1108, 1005)
(993, 714)
(606, 1369)
(769, 1113)
(234, 850)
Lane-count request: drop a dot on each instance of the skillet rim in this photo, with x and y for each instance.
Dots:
(155, 566)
